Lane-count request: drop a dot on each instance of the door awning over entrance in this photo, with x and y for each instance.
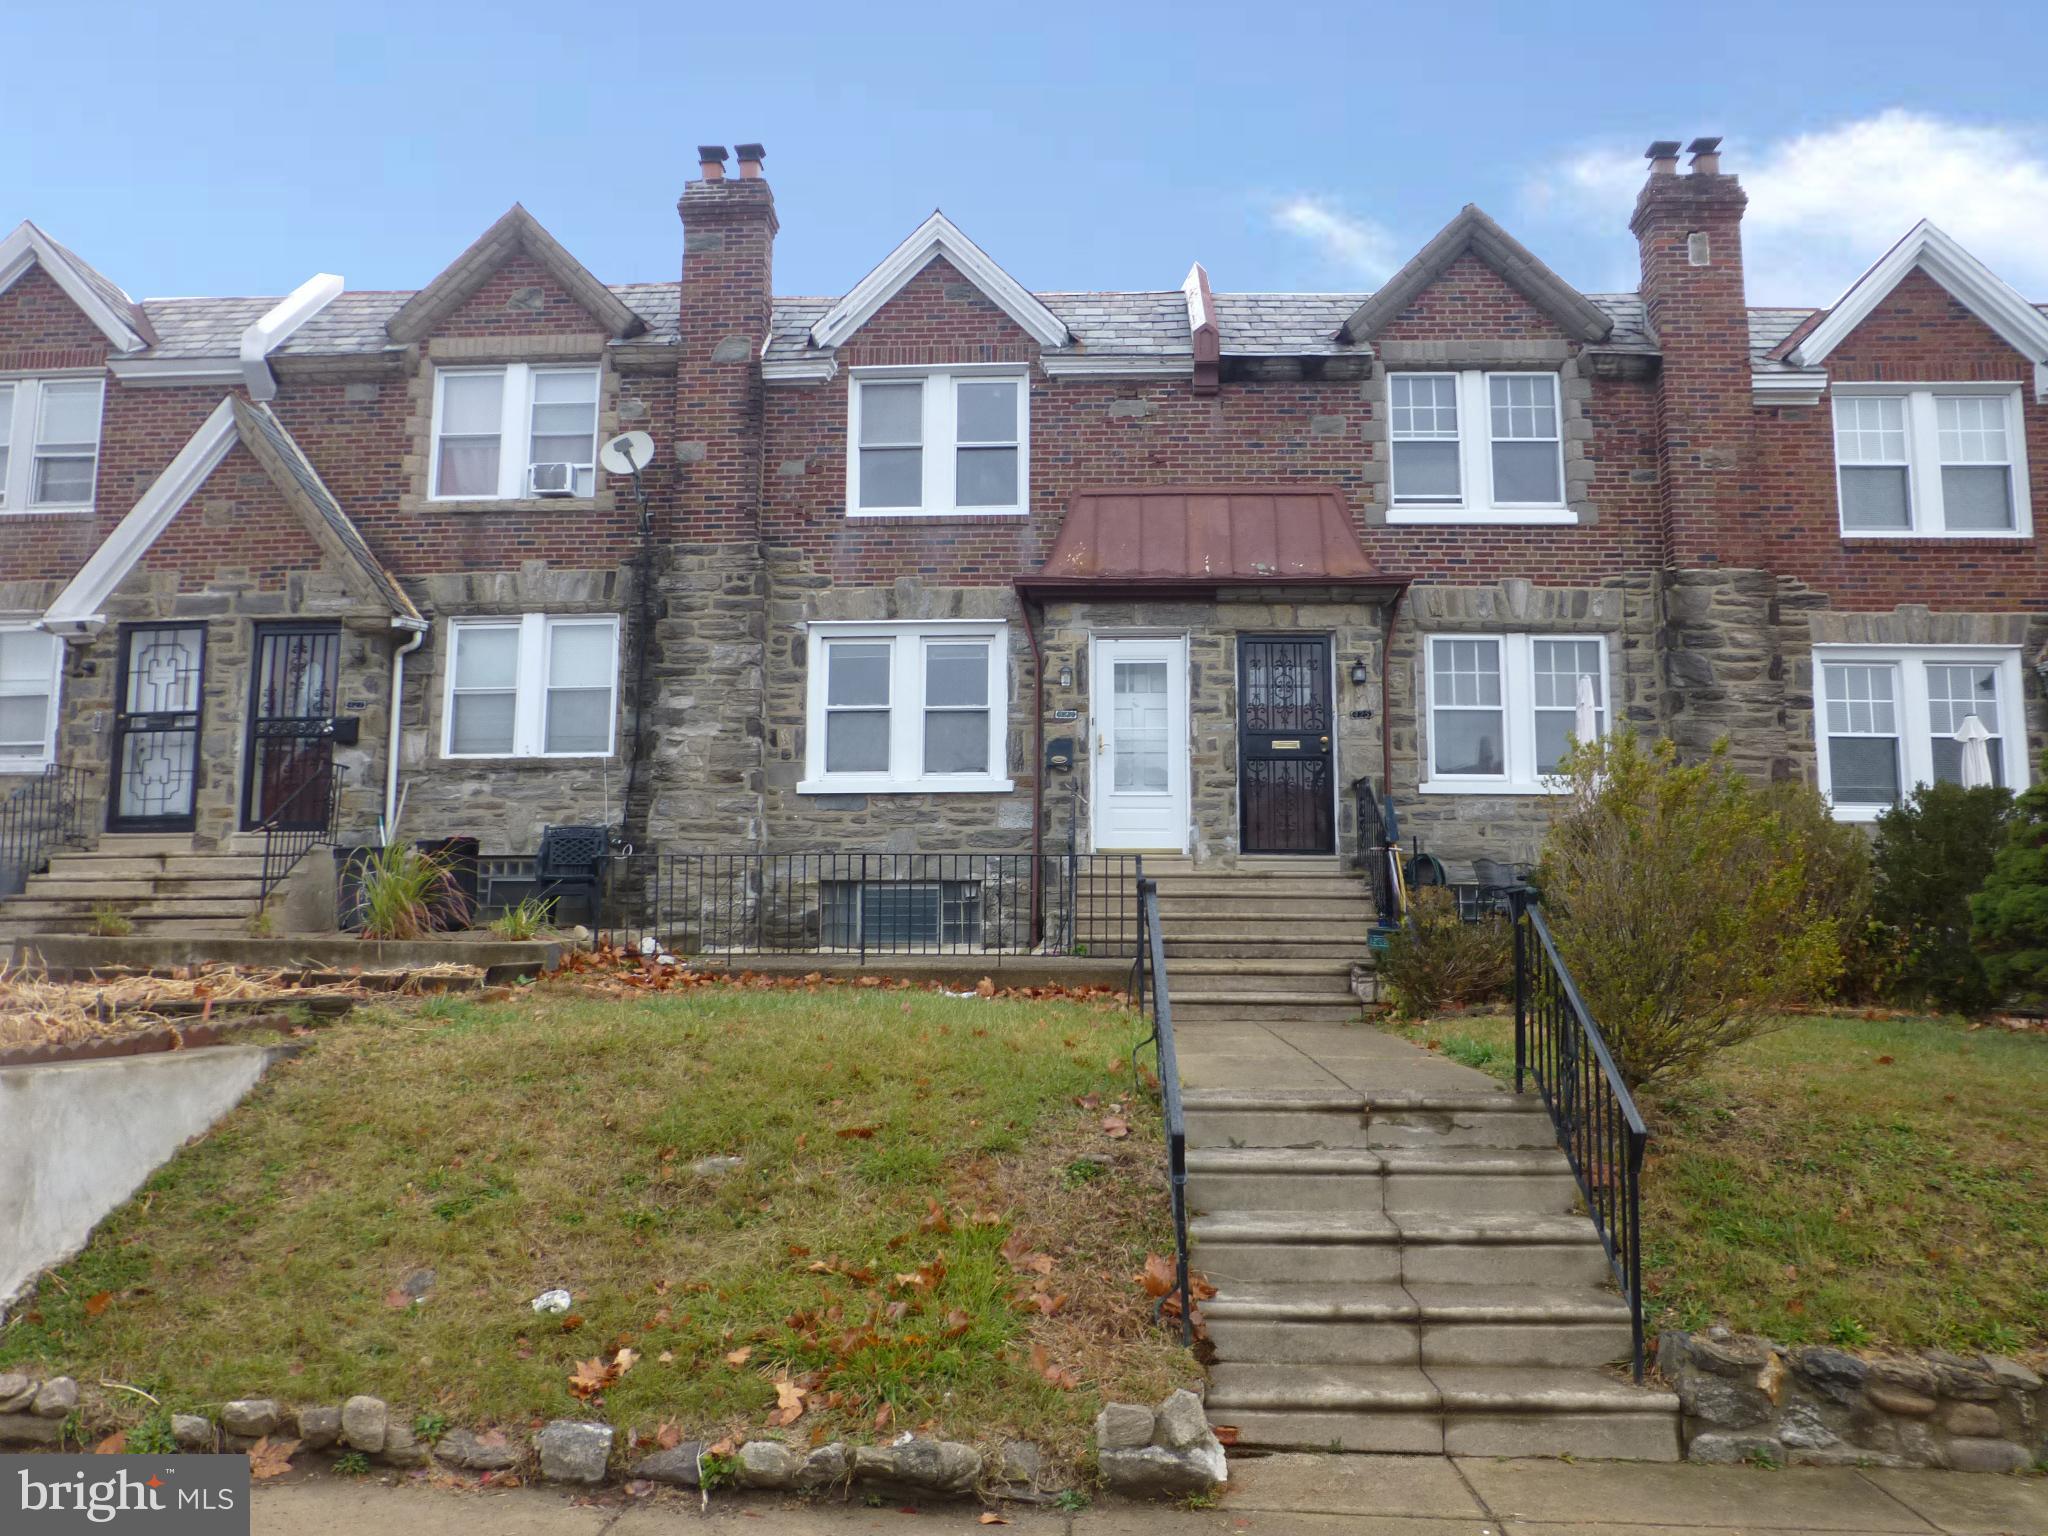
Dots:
(1194, 539)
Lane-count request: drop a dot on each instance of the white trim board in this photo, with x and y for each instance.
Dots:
(938, 236)
(1980, 290)
(30, 247)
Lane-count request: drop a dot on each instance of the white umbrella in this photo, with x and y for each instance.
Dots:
(1976, 755)
(1586, 724)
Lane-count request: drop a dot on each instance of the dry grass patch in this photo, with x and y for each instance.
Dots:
(1858, 1180)
(908, 1157)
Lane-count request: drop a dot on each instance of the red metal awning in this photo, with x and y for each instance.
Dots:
(1192, 539)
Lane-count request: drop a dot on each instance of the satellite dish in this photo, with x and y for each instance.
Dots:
(627, 454)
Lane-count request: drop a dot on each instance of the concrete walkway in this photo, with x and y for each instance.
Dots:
(1274, 1496)
(1333, 1057)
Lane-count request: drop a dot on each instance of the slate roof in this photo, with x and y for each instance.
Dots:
(110, 292)
(1768, 328)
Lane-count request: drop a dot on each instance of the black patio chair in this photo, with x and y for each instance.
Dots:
(571, 865)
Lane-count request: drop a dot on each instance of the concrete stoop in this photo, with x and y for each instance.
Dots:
(161, 886)
(1406, 1271)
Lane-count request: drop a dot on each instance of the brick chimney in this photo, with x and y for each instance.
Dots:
(1688, 230)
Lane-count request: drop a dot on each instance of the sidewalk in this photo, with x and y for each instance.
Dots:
(1271, 1496)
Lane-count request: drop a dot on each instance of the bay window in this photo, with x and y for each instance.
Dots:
(1886, 719)
(1940, 460)
(933, 442)
(514, 431)
(1476, 446)
(907, 708)
(1502, 709)
(531, 685)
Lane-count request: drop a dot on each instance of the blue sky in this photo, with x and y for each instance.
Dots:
(237, 148)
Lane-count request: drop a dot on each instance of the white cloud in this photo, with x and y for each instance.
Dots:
(1825, 205)
(1356, 247)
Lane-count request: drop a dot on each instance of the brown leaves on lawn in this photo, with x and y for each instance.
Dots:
(740, 1356)
(115, 1444)
(592, 1376)
(789, 1403)
(98, 1302)
(856, 1132)
(1059, 1375)
(1017, 1250)
(1158, 1279)
(271, 1458)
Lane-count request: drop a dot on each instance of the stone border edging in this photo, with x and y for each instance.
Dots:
(148, 1042)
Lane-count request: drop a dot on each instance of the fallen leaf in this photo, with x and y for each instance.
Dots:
(1226, 1434)
(1117, 1127)
(572, 1322)
(857, 1132)
(98, 1302)
(985, 987)
(668, 1436)
(269, 1458)
(590, 1378)
(1158, 1276)
(990, 1517)
(789, 1403)
(740, 1356)
(884, 1415)
(624, 1361)
(397, 1300)
(666, 1357)
(115, 1444)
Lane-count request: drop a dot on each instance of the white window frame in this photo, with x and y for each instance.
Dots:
(515, 430)
(941, 437)
(1475, 456)
(1925, 518)
(530, 683)
(18, 437)
(36, 762)
(905, 773)
(1909, 664)
(1518, 706)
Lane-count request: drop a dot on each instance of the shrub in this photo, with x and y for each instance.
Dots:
(525, 921)
(2009, 916)
(1686, 902)
(1437, 960)
(1841, 881)
(1932, 851)
(408, 893)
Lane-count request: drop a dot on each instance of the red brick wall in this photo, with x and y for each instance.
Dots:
(490, 310)
(41, 328)
(1467, 301)
(237, 521)
(1919, 333)
(728, 281)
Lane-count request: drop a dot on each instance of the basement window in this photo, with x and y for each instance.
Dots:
(31, 662)
(531, 685)
(901, 914)
(937, 442)
(1943, 461)
(517, 431)
(1476, 447)
(1885, 720)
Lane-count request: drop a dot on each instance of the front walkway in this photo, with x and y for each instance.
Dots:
(1274, 1496)
(1262, 1056)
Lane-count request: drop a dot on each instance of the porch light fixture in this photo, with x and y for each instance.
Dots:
(1359, 676)
(1066, 675)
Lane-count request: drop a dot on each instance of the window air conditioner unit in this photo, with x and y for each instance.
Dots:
(551, 479)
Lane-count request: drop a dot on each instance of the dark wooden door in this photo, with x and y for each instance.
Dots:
(157, 707)
(291, 724)
(1285, 730)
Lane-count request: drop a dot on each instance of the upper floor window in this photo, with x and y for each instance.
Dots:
(29, 664)
(49, 444)
(1503, 708)
(1938, 460)
(1475, 446)
(513, 431)
(1887, 718)
(934, 442)
(907, 707)
(532, 685)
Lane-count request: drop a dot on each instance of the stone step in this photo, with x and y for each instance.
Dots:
(1350, 951)
(1251, 931)
(184, 866)
(1451, 1410)
(1174, 889)
(1295, 978)
(1237, 1003)
(1400, 1180)
(145, 842)
(1353, 905)
(68, 887)
(34, 909)
(1294, 1117)
(1373, 1248)
(1451, 1325)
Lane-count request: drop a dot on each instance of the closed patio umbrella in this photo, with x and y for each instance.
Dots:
(1976, 755)
(1586, 724)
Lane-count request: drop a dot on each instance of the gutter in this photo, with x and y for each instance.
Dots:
(419, 637)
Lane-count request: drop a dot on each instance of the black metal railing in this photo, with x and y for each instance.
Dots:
(38, 816)
(1598, 1126)
(1379, 848)
(870, 904)
(300, 824)
(1151, 968)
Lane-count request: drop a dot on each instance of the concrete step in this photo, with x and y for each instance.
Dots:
(1350, 951)
(1293, 1117)
(1421, 1181)
(1469, 1411)
(1294, 978)
(1177, 888)
(1450, 1325)
(1374, 1248)
(1251, 930)
(145, 842)
(32, 909)
(69, 887)
(188, 866)
(1354, 905)
(1197, 1006)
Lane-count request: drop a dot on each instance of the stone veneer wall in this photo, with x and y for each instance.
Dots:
(1458, 828)
(1745, 1397)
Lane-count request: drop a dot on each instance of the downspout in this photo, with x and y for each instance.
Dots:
(419, 638)
(1037, 760)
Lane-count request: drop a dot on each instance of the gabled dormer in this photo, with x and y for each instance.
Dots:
(118, 318)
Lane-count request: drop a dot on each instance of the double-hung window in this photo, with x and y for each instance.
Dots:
(1930, 461)
(1503, 709)
(907, 707)
(49, 443)
(937, 442)
(1888, 718)
(532, 685)
(514, 431)
(1475, 446)
(30, 660)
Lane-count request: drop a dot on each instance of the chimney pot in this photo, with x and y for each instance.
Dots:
(1663, 157)
(711, 161)
(751, 156)
(1706, 156)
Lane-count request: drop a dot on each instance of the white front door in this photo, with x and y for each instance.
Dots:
(1140, 693)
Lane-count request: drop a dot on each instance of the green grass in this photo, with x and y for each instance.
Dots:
(1861, 1181)
(548, 1141)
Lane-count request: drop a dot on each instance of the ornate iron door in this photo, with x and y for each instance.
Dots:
(291, 724)
(156, 727)
(1285, 729)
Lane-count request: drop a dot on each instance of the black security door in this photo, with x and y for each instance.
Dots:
(1284, 732)
(291, 724)
(156, 727)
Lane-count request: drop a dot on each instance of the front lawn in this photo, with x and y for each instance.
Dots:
(931, 1223)
(1843, 1179)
